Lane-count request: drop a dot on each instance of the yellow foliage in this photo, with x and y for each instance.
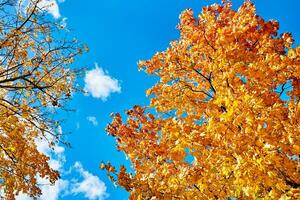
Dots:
(219, 101)
(33, 81)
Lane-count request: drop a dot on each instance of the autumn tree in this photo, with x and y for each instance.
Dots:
(223, 120)
(35, 80)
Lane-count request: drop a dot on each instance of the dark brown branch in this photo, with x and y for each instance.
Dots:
(209, 79)
(197, 187)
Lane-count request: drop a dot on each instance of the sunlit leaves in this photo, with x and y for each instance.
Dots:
(35, 80)
(227, 97)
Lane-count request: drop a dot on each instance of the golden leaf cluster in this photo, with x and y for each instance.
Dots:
(35, 80)
(223, 121)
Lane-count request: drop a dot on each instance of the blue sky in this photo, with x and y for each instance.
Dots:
(119, 33)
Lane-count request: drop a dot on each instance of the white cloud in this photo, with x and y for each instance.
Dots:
(93, 120)
(43, 143)
(52, 192)
(91, 186)
(57, 159)
(99, 84)
(50, 6)
(23, 196)
(49, 191)
(80, 180)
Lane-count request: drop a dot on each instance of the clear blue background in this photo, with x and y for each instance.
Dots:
(119, 33)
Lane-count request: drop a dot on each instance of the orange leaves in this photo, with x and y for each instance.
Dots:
(187, 21)
(34, 78)
(108, 167)
(287, 39)
(22, 159)
(177, 153)
(219, 126)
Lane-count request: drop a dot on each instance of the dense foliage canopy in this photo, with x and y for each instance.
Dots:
(224, 116)
(34, 82)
